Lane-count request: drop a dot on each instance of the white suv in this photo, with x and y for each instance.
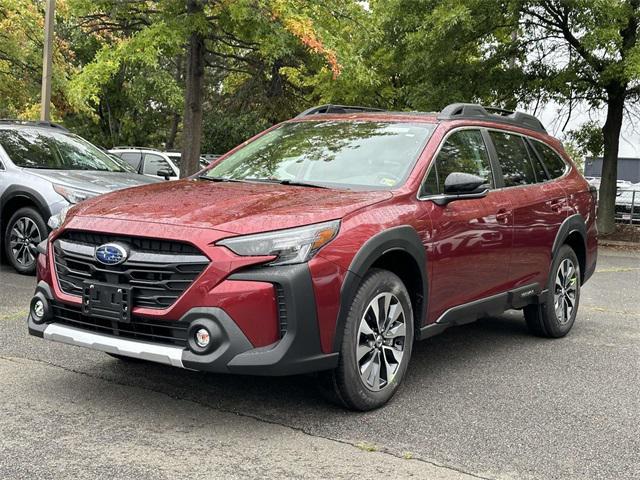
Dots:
(148, 161)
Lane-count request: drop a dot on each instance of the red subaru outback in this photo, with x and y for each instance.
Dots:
(330, 242)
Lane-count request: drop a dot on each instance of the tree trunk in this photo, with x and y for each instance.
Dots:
(192, 125)
(175, 118)
(609, 176)
(173, 132)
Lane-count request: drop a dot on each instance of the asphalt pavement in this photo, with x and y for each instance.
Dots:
(486, 400)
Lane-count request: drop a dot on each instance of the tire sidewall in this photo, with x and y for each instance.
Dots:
(38, 220)
(376, 282)
(552, 324)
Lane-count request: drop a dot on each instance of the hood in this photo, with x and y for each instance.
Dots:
(94, 180)
(239, 208)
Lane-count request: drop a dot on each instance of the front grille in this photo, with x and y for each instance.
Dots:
(158, 271)
(169, 333)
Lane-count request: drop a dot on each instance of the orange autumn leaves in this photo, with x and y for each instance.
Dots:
(302, 28)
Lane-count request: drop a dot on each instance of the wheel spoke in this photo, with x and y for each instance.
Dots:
(15, 233)
(397, 330)
(363, 350)
(396, 354)
(28, 255)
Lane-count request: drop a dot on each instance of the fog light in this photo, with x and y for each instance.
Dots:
(38, 309)
(203, 338)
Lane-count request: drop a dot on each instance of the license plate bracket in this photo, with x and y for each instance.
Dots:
(110, 302)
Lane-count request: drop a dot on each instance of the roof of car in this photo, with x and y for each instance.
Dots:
(13, 123)
(135, 148)
(455, 111)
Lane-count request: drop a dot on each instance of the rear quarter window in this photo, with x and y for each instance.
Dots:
(556, 166)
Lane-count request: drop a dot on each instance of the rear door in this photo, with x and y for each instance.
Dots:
(470, 246)
(539, 207)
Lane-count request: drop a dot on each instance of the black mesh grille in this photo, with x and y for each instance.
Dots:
(282, 309)
(158, 271)
(169, 333)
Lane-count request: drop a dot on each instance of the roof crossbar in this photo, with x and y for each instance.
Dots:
(457, 111)
(337, 109)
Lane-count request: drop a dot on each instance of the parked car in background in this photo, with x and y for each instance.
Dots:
(149, 162)
(43, 169)
(176, 156)
(328, 244)
(628, 204)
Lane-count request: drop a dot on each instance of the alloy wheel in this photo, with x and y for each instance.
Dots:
(23, 241)
(565, 291)
(380, 343)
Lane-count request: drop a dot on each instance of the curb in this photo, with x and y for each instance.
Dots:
(618, 243)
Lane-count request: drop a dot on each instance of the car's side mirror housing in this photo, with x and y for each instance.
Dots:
(461, 186)
(166, 173)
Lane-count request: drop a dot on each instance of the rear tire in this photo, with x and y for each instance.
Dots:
(25, 229)
(376, 344)
(555, 316)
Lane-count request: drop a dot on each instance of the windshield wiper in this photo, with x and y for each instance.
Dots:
(301, 184)
(220, 179)
(295, 183)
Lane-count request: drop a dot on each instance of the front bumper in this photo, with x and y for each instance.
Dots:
(298, 351)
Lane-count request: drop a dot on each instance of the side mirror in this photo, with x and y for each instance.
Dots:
(461, 186)
(166, 173)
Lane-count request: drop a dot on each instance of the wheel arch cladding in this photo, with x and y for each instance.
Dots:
(573, 232)
(398, 250)
(16, 197)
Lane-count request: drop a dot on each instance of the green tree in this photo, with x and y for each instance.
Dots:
(247, 52)
(512, 52)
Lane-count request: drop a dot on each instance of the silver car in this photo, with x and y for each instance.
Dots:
(43, 169)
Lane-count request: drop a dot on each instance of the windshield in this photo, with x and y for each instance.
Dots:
(38, 148)
(376, 155)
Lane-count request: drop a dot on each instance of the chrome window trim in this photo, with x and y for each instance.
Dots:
(568, 167)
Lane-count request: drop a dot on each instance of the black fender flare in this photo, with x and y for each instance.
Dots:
(404, 238)
(571, 224)
(17, 191)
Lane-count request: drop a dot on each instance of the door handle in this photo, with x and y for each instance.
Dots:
(556, 205)
(502, 216)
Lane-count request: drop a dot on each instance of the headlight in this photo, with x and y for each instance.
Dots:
(295, 245)
(58, 219)
(73, 195)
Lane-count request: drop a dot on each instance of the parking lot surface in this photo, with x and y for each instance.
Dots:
(486, 400)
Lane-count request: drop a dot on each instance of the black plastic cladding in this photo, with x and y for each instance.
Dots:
(403, 238)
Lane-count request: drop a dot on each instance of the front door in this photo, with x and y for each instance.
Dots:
(469, 250)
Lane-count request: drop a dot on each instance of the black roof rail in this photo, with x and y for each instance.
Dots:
(32, 123)
(337, 109)
(473, 111)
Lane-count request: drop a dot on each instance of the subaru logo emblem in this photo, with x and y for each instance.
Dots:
(111, 254)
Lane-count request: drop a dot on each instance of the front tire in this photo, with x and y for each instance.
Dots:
(376, 343)
(555, 316)
(25, 229)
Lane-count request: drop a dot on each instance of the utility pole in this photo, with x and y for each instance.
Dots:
(46, 60)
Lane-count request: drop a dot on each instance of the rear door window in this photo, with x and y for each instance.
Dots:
(556, 166)
(513, 158)
(465, 152)
(155, 163)
(132, 158)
